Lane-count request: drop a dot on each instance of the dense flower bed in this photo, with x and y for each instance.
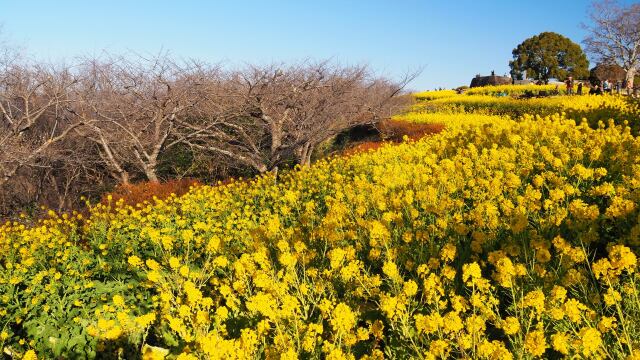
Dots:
(516, 90)
(494, 239)
(593, 108)
(436, 94)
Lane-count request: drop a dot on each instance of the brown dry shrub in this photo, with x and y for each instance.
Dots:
(138, 193)
(395, 130)
(363, 147)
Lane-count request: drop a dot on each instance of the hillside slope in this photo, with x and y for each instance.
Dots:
(496, 238)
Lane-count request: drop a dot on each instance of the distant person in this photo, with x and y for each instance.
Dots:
(595, 90)
(629, 88)
(618, 86)
(569, 85)
(579, 91)
(612, 86)
(606, 86)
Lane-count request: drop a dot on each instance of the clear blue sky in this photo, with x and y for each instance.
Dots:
(453, 39)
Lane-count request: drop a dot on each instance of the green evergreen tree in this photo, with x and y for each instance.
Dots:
(549, 55)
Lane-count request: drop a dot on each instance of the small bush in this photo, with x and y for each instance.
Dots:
(132, 194)
(363, 147)
(395, 130)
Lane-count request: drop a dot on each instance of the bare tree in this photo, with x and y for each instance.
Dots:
(66, 131)
(614, 35)
(264, 116)
(134, 107)
(42, 160)
(32, 121)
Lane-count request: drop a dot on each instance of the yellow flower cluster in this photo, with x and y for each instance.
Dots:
(590, 108)
(585, 102)
(498, 238)
(514, 89)
(435, 94)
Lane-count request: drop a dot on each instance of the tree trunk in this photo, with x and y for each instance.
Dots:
(150, 172)
(124, 177)
(309, 153)
(150, 168)
(302, 154)
(305, 153)
(276, 138)
(631, 73)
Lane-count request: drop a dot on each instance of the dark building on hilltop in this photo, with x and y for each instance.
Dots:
(492, 79)
(611, 72)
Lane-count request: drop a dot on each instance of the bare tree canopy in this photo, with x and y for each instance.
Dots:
(264, 116)
(607, 71)
(134, 108)
(71, 130)
(614, 35)
(32, 120)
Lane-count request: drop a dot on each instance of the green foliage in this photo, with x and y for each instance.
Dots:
(50, 301)
(549, 55)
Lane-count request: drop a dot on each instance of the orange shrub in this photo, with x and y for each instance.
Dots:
(133, 194)
(395, 130)
(363, 147)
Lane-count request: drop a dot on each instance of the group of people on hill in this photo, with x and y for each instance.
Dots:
(607, 87)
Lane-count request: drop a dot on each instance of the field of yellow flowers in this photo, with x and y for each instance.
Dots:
(513, 90)
(593, 109)
(502, 237)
